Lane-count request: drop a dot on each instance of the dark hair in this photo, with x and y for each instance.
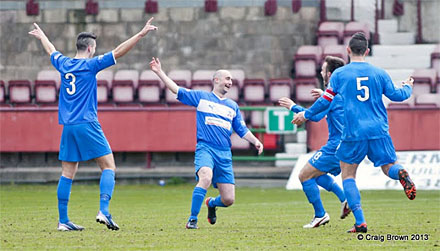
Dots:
(333, 63)
(358, 44)
(84, 39)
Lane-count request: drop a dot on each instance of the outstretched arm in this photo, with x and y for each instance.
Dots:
(38, 33)
(319, 106)
(289, 104)
(156, 67)
(249, 136)
(399, 94)
(126, 46)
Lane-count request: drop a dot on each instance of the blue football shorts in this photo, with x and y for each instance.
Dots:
(325, 162)
(380, 151)
(220, 161)
(81, 142)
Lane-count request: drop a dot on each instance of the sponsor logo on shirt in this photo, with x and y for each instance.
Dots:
(216, 108)
(218, 122)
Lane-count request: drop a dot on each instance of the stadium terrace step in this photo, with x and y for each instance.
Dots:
(296, 148)
(400, 61)
(286, 163)
(387, 25)
(399, 75)
(409, 50)
(387, 38)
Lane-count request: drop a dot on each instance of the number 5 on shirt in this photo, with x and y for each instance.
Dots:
(362, 87)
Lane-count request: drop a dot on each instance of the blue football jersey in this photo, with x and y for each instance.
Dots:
(78, 90)
(361, 86)
(335, 122)
(216, 117)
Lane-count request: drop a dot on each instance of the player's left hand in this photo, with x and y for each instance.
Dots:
(259, 147)
(286, 102)
(148, 27)
(409, 81)
(37, 32)
(299, 119)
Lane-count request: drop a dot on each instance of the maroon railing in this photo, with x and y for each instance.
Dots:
(419, 38)
(322, 12)
(376, 20)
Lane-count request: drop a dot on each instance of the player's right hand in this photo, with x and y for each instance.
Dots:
(299, 119)
(155, 65)
(148, 27)
(286, 102)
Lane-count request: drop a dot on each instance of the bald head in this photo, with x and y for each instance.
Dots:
(222, 81)
(220, 74)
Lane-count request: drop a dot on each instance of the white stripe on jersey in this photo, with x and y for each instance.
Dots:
(218, 122)
(215, 108)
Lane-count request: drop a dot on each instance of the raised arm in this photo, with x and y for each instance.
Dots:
(126, 46)
(38, 33)
(156, 67)
(249, 136)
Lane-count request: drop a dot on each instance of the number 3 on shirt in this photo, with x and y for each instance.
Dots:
(362, 87)
(72, 83)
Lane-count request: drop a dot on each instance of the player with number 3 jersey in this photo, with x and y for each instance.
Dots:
(365, 133)
(82, 138)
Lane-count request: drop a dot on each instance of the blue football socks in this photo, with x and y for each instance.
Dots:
(326, 181)
(393, 173)
(106, 187)
(197, 201)
(63, 194)
(311, 190)
(354, 200)
(216, 202)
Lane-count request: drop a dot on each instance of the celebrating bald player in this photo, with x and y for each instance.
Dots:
(216, 117)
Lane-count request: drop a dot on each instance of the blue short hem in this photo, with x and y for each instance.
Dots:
(86, 159)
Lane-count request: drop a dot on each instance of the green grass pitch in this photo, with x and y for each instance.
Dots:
(153, 217)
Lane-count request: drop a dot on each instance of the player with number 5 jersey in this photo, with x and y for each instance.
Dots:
(365, 132)
(82, 138)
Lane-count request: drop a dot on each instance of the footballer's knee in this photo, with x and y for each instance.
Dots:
(228, 200)
(106, 162)
(69, 169)
(304, 175)
(301, 177)
(204, 182)
(205, 177)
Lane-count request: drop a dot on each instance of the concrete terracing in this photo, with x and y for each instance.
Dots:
(188, 38)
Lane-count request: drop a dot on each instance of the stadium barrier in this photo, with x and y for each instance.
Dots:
(28, 129)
